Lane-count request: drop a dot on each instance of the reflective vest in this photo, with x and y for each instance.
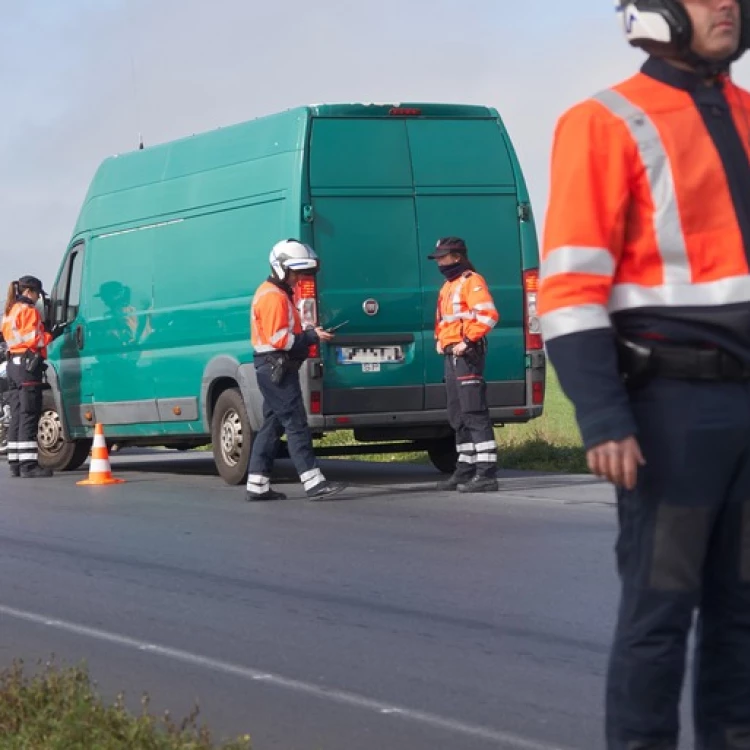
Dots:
(275, 321)
(23, 328)
(465, 309)
(642, 218)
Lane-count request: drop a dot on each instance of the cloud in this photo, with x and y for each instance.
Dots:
(82, 84)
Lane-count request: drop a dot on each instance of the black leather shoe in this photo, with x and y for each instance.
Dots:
(479, 484)
(452, 483)
(35, 472)
(15, 470)
(255, 497)
(325, 490)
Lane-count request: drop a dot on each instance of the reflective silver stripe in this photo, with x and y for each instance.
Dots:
(458, 316)
(29, 444)
(465, 458)
(28, 456)
(485, 306)
(279, 335)
(486, 458)
(573, 320)
(595, 261)
(490, 445)
(722, 292)
(258, 484)
(465, 448)
(490, 322)
(12, 446)
(311, 478)
(667, 224)
(290, 342)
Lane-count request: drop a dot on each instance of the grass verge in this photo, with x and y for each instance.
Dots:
(58, 709)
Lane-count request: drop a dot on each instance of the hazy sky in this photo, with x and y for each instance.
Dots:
(81, 78)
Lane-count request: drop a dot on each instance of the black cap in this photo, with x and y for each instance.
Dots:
(446, 246)
(30, 282)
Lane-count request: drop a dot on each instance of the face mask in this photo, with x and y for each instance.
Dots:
(454, 270)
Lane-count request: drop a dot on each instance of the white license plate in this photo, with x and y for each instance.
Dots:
(369, 355)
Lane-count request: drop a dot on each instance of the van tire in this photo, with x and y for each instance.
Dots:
(55, 452)
(442, 453)
(231, 437)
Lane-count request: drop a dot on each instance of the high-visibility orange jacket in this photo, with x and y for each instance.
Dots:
(647, 232)
(275, 322)
(23, 329)
(465, 310)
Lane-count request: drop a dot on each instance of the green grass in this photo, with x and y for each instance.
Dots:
(59, 709)
(550, 443)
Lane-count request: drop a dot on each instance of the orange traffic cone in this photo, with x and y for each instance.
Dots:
(100, 472)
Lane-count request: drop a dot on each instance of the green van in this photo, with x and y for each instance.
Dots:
(172, 240)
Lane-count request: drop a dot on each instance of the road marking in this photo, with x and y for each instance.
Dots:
(506, 740)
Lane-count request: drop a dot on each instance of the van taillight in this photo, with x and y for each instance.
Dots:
(307, 303)
(404, 112)
(533, 326)
(315, 402)
(537, 392)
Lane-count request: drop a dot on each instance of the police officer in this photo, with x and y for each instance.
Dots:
(465, 315)
(26, 339)
(645, 307)
(280, 347)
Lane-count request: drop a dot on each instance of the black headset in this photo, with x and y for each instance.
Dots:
(681, 32)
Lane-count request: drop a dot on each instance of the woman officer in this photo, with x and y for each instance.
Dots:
(27, 340)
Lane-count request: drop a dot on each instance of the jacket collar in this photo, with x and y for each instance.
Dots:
(664, 72)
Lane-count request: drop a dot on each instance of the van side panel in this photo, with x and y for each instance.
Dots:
(182, 234)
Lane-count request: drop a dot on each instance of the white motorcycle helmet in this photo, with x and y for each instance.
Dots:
(292, 255)
(662, 28)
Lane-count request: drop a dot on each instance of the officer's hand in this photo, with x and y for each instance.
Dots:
(323, 335)
(460, 348)
(617, 461)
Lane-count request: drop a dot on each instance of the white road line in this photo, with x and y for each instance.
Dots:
(505, 740)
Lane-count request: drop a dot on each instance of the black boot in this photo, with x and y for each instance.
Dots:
(325, 490)
(35, 471)
(255, 497)
(15, 470)
(479, 484)
(453, 482)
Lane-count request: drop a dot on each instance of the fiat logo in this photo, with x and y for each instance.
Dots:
(370, 306)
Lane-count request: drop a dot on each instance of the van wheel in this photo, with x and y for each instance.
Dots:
(442, 453)
(55, 452)
(231, 437)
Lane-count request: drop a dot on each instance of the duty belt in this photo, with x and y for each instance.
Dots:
(639, 361)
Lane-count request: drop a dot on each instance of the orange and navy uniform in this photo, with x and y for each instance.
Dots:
(275, 322)
(23, 330)
(465, 310)
(647, 232)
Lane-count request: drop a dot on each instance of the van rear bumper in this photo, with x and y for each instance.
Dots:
(499, 415)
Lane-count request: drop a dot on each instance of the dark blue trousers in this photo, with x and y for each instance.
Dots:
(684, 549)
(283, 411)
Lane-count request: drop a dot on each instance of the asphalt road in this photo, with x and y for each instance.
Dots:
(394, 617)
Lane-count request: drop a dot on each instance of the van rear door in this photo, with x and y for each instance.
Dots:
(365, 233)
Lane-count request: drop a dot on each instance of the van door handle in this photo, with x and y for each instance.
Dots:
(79, 337)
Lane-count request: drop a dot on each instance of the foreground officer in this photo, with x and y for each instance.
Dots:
(465, 315)
(281, 346)
(645, 308)
(26, 339)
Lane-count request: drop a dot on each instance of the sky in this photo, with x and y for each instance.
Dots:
(80, 79)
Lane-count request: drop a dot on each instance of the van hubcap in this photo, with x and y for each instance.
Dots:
(231, 438)
(50, 435)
